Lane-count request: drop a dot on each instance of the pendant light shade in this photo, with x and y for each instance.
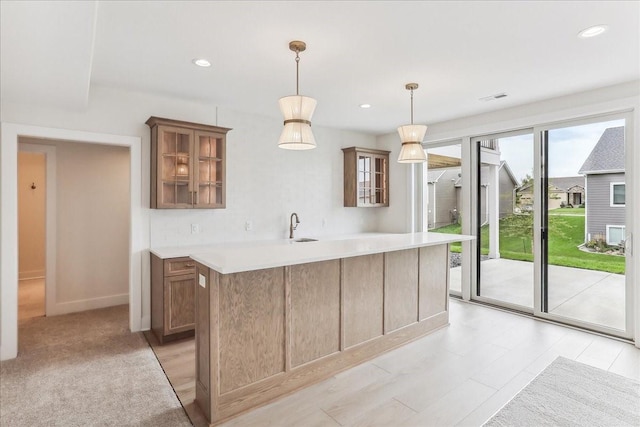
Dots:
(297, 111)
(411, 137)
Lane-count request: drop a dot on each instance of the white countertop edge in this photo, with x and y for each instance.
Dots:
(165, 252)
(249, 257)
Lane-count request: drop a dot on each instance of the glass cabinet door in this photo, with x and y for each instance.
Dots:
(372, 180)
(175, 167)
(210, 170)
(380, 180)
(364, 179)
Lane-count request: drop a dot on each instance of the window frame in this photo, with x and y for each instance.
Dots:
(611, 203)
(609, 227)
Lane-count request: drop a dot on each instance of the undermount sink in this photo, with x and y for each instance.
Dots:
(305, 239)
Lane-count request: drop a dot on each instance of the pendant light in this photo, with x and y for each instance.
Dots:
(297, 111)
(411, 137)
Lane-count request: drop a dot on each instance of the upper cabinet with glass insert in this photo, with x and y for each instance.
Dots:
(366, 177)
(187, 164)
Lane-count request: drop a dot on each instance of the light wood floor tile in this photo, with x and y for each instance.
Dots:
(628, 362)
(454, 406)
(504, 369)
(390, 413)
(601, 353)
(461, 374)
(493, 404)
(570, 346)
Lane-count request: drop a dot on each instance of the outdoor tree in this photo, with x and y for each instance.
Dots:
(519, 226)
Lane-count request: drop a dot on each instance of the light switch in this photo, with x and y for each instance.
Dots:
(202, 281)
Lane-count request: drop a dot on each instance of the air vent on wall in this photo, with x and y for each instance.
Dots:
(492, 97)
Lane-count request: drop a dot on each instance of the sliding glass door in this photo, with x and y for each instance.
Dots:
(553, 215)
(584, 225)
(504, 190)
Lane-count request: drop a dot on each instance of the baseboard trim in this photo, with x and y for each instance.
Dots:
(88, 304)
(33, 274)
(145, 323)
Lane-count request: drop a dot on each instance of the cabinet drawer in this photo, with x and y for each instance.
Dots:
(176, 266)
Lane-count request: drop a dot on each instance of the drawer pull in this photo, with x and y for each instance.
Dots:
(189, 265)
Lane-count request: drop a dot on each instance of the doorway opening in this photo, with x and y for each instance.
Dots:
(31, 234)
(83, 226)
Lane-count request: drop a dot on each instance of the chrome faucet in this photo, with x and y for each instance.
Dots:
(291, 225)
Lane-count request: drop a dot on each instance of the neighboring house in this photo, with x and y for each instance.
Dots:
(605, 186)
(444, 194)
(568, 190)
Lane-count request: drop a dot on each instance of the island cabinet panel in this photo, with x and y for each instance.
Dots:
(207, 293)
(264, 333)
(434, 280)
(315, 311)
(400, 289)
(251, 309)
(363, 295)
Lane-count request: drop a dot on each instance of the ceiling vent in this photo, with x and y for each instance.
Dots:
(492, 97)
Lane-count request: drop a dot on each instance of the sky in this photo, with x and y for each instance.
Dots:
(569, 147)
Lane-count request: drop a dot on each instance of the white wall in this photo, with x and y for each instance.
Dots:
(265, 184)
(31, 202)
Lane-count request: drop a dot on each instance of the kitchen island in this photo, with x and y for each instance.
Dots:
(273, 318)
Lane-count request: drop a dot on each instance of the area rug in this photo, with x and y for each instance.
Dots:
(569, 393)
(86, 369)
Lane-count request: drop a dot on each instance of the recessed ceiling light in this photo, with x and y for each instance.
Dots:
(201, 62)
(365, 105)
(596, 30)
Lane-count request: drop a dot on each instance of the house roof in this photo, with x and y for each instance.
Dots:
(454, 174)
(566, 182)
(607, 155)
(434, 175)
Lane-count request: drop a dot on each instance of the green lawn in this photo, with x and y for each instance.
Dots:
(566, 233)
(567, 211)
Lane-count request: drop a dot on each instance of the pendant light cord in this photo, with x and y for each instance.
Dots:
(411, 106)
(297, 70)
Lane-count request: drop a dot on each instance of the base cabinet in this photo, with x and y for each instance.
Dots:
(173, 288)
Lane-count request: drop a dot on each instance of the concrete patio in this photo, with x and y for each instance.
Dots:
(586, 295)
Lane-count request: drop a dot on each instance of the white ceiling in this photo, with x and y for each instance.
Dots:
(357, 52)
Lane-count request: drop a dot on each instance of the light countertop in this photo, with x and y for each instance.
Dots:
(236, 257)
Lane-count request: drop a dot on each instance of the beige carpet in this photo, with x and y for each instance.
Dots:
(86, 369)
(568, 393)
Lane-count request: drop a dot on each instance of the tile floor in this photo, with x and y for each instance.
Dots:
(459, 375)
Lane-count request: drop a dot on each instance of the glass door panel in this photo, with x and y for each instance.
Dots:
(175, 167)
(210, 169)
(364, 178)
(585, 221)
(505, 208)
(442, 184)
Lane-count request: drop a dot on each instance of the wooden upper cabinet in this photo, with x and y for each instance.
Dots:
(366, 177)
(187, 164)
